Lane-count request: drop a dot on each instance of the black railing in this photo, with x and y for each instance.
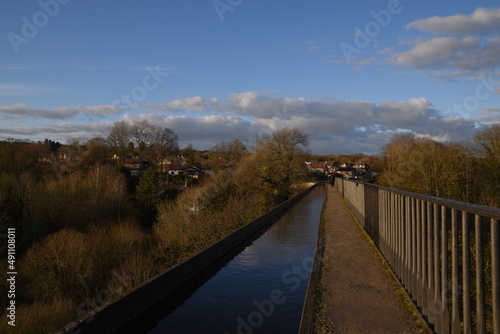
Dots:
(445, 253)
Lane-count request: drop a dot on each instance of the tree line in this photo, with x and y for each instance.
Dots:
(151, 142)
(88, 231)
(467, 172)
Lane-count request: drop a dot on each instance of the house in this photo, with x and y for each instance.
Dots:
(136, 166)
(187, 170)
(317, 168)
(331, 166)
(362, 168)
(163, 166)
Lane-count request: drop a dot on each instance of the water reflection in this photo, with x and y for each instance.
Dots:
(262, 289)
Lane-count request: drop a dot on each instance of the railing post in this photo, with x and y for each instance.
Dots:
(480, 300)
(389, 226)
(393, 230)
(408, 243)
(455, 314)
(414, 249)
(430, 264)
(423, 260)
(401, 249)
(404, 223)
(383, 214)
(466, 288)
(381, 220)
(418, 232)
(386, 225)
(445, 324)
(495, 274)
(436, 304)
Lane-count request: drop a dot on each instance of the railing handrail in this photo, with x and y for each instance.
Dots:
(481, 210)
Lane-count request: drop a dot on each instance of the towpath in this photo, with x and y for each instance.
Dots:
(357, 292)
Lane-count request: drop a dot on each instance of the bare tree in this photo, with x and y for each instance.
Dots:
(488, 143)
(143, 135)
(227, 154)
(166, 143)
(488, 149)
(152, 142)
(119, 137)
(278, 161)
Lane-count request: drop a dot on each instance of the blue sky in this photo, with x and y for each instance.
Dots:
(350, 73)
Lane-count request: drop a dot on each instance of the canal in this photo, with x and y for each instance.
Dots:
(259, 290)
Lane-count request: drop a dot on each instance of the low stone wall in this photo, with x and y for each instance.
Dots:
(112, 316)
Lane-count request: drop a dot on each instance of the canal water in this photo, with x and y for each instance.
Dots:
(261, 289)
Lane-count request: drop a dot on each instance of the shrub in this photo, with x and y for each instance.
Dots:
(41, 318)
(66, 264)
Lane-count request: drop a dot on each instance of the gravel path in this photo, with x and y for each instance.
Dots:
(356, 292)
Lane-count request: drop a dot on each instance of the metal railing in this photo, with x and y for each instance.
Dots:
(445, 253)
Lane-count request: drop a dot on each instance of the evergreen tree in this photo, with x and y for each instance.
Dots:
(148, 194)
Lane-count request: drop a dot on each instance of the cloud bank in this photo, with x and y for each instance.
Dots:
(335, 126)
(21, 110)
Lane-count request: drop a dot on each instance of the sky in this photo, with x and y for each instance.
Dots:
(349, 73)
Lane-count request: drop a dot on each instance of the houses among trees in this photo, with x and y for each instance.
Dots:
(139, 146)
(79, 211)
(467, 171)
(360, 170)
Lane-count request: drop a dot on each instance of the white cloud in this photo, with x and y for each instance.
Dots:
(467, 54)
(481, 21)
(447, 48)
(462, 46)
